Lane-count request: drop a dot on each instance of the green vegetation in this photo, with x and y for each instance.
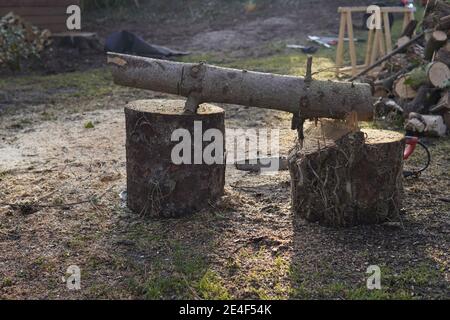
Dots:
(19, 42)
(86, 84)
(211, 287)
(187, 275)
(6, 282)
(89, 125)
(281, 63)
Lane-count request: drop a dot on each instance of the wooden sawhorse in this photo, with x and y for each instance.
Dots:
(379, 41)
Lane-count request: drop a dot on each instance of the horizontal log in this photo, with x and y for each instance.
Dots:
(207, 83)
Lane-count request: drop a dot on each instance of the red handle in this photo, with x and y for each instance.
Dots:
(411, 143)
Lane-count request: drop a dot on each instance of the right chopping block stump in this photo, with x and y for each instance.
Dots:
(343, 177)
(163, 178)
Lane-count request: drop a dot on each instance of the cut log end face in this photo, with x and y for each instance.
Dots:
(439, 74)
(404, 90)
(440, 36)
(171, 107)
(354, 179)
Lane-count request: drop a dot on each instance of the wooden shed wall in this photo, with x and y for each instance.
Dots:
(49, 14)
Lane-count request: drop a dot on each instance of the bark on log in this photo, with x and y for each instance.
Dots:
(419, 103)
(446, 117)
(380, 91)
(409, 29)
(430, 125)
(341, 178)
(388, 82)
(83, 41)
(444, 23)
(443, 104)
(407, 34)
(436, 74)
(156, 185)
(436, 41)
(436, 9)
(443, 55)
(402, 40)
(206, 83)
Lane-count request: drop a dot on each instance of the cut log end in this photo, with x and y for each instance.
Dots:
(438, 74)
(343, 178)
(157, 184)
(402, 89)
(171, 107)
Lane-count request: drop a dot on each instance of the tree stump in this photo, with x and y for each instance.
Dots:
(342, 178)
(158, 185)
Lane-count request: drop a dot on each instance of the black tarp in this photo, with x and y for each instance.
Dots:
(127, 42)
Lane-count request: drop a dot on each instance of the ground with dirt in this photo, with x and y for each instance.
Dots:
(62, 147)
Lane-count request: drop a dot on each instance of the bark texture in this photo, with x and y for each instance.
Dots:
(206, 83)
(419, 102)
(435, 10)
(342, 178)
(443, 55)
(437, 40)
(156, 186)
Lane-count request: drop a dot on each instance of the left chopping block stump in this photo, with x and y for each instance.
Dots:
(175, 161)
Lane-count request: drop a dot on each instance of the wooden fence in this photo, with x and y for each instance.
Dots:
(48, 14)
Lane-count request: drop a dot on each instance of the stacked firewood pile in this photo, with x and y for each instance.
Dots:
(415, 82)
(20, 40)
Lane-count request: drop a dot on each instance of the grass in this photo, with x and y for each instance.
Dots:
(282, 63)
(87, 84)
(211, 287)
(6, 282)
(185, 275)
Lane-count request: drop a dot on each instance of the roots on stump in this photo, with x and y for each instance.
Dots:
(344, 178)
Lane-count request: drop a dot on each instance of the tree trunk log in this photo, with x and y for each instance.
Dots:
(438, 74)
(401, 42)
(443, 55)
(156, 185)
(419, 103)
(402, 89)
(341, 178)
(83, 41)
(206, 83)
(436, 41)
(446, 116)
(430, 125)
(409, 29)
(436, 9)
(444, 23)
(443, 104)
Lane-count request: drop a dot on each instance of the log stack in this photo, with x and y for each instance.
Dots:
(417, 79)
